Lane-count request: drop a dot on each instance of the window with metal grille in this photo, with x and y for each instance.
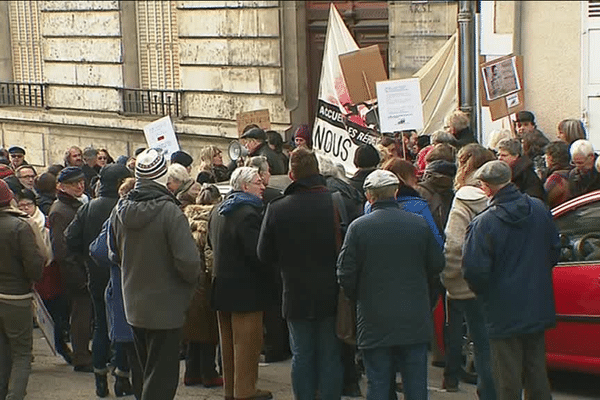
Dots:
(26, 41)
(158, 44)
(594, 8)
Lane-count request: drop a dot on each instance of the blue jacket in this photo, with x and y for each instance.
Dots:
(118, 328)
(410, 201)
(508, 256)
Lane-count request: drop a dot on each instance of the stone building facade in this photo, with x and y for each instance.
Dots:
(105, 69)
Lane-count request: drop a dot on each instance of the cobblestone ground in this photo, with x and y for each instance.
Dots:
(53, 379)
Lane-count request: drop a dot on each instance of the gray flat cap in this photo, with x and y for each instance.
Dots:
(380, 178)
(494, 172)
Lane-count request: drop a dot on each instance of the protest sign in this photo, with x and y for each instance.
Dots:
(503, 86)
(340, 124)
(161, 135)
(361, 69)
(399, 103)
(257, 117)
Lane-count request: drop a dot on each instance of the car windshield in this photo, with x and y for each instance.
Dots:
(581, 223)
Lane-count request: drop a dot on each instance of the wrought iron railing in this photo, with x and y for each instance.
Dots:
(152, 102)
(22, 94)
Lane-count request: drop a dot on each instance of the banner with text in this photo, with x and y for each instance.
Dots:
(340, 126)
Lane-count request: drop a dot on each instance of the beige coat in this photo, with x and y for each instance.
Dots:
(468, 202)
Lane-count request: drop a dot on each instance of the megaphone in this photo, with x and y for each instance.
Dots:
(236, 150)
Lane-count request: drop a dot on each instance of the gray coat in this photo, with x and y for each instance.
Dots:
(151, 240)
(385, 262)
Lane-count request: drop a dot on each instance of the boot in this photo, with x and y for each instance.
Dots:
(101, 385)
(122, 386)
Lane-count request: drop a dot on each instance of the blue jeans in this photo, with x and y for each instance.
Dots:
(316, 359)
(472, 311)
(381, 364)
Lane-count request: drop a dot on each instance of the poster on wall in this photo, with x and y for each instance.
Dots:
(340, 125)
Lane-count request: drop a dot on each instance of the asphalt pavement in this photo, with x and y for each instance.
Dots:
(51, 378)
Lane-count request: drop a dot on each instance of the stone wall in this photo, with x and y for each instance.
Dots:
(230, 61)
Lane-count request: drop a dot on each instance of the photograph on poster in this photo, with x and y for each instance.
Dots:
(501, 79)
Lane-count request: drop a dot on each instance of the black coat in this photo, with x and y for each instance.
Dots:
(298, 239)
(464, 137)
(275, 162)
(241, 283)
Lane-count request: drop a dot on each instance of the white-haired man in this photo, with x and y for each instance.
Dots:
(583, 178)
(509, 252)
(242, 287)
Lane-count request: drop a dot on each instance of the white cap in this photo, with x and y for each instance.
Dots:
(380, 178)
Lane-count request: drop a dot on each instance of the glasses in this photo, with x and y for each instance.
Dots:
(17, 155)
(28, 204)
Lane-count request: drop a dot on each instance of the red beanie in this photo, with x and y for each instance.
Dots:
(5, 171)
(6, 195)
(303, 131)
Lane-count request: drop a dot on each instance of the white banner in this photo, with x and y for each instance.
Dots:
(340, 126)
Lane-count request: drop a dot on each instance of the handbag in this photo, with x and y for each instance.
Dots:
(345, 319)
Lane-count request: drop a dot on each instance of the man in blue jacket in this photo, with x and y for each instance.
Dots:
(386, 260)
(508, 256)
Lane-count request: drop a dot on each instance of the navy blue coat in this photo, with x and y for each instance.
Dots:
(508, 256)
(386, 261)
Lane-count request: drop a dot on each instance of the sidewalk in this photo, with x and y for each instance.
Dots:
(52, 379)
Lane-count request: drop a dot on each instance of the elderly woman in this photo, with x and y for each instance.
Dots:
(242, 287)
(183, 187)
(200, 329)
(469, 200)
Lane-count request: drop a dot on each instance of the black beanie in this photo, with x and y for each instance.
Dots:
(366, 156)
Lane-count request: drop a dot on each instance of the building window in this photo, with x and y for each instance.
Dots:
(26, 41)
(158, 44)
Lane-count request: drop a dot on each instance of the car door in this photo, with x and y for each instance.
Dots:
(575, 342)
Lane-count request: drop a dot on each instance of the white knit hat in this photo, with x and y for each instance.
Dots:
(150, 164)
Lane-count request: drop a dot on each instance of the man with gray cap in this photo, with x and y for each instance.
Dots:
(508, 256)
(255, 140)
(386, 260)
(150, 238)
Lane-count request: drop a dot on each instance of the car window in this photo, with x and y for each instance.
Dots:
(580, 234)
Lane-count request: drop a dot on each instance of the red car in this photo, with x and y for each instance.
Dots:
(574, 344)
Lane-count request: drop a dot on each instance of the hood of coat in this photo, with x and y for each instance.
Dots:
(143, 204)
(511, 206)
(472, 197)
(237, 199)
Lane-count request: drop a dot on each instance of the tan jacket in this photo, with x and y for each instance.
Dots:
(468, 202)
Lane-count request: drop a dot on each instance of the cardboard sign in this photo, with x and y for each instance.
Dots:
(502, 81)
(44, 321)
(257, 117)
(361, 69)
(161, 135)
(400, 106)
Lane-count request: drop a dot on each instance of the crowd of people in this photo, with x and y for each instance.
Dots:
(152, 265)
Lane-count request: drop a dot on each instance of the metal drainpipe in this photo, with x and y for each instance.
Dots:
(467, 60)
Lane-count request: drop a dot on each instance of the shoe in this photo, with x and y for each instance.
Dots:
(259, 395)
(123, 386)
(351, 390)
(65, 352)
(84, 368)
(450, 385)
(101, 385)
(192, 381)
(439, 364)
(214, 382)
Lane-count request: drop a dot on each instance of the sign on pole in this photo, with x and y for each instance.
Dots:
(161, 135)
(257, 117)
(400, 106)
